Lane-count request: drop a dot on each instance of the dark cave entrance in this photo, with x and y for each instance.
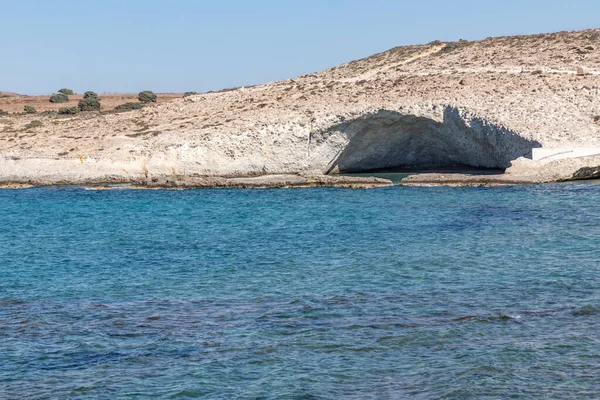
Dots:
(391, 142)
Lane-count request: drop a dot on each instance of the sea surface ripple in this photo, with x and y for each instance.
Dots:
(421, 293)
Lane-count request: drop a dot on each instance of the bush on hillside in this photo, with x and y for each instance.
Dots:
(186, 94)
(597, 119)
(68, 110)
(34, 124)
(89, 104)
(455, 45)
(147, 96)
(29, 109)
(59, 98)
(129, 106)
(90, 95)
(3, 113)
(66, 91)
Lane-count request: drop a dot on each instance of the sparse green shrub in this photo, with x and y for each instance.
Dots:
(597, 119)
(29, 109)
(68, 110)
(129, 106)
(3, 113)
(59, 98)
(49, 113)
(186, 94)
(451, 46)
(34, 124)
(90, 95)
(66, 91)
(89, 104)
(147, 96)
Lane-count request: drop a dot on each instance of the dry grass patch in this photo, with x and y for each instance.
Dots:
(15, 104)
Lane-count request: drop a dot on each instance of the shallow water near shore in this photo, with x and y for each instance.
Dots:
(396, 292)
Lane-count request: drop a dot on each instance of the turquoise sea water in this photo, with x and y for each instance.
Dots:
(418, 293)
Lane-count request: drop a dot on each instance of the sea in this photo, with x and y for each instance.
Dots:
(322, 293)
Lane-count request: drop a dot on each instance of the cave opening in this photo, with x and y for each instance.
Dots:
(391, 142)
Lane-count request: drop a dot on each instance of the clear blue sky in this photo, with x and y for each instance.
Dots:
(199, 45)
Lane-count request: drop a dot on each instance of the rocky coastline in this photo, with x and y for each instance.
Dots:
(204, 182)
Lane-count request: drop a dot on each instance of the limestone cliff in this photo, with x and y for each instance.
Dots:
(483, 103)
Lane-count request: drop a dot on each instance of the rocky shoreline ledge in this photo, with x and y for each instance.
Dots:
(467, 180)
(288, 181)
(33, 173)
(200, 182)
(522, 171)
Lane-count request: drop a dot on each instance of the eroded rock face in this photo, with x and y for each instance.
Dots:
(391, 139)
(403, 107)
